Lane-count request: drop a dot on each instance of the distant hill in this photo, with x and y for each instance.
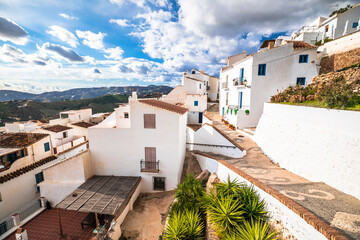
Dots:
(24, 110)
(82, 93)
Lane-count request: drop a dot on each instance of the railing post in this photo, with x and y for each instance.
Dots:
(16, 219)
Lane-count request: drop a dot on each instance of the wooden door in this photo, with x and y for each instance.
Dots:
(150, 158)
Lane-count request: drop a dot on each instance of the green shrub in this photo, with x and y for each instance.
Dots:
(189, 193)
(258, 230)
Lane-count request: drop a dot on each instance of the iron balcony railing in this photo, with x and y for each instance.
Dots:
(237, 82)
(148, 166)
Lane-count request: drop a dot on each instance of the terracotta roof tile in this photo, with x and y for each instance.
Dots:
(56, 128)
(301, 44)
(16, 173)
(164, 105)
(83, 124)
(19, 140)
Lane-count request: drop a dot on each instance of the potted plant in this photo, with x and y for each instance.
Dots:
(247, 111)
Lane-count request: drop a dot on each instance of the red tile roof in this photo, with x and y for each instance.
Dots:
(19, 140)
(164, 105)
(301, 44)
(16, 173)
(83, 124)
(57, 128)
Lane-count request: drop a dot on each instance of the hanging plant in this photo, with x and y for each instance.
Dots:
(227, 111)
(247, 112)
(231, 111)
(236, 110)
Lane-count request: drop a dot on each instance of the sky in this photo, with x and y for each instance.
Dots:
(56, 45)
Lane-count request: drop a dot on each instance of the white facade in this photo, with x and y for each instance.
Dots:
(20, 127)
(118, 150)
(244, 89)
(62, 178)
(316, 143)
(197, 87)
(333, 27)
(73, 116)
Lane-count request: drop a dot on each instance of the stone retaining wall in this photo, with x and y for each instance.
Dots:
(339, 61)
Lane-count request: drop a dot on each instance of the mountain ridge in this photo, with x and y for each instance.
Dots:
(82, 93)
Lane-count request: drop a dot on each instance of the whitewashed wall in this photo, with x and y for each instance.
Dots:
(118, 151)
(208, 135)
(343, 44)
(293, 223)
(315, 143)
(19, 191)
(62, 178)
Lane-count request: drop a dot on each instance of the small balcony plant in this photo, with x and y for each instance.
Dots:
(247, 111)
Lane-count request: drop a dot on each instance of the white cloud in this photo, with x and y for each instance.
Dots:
(91, 39)
(114, 53)
(11, 31)
(121, 22)
(68, 17)
(63, 35)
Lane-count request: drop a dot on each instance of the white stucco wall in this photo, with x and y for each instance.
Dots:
(62, 178)
(293, 223)
(177, 95)
(343, 44)
(282, 70)
(19, 191)
(60, 121)
(208, 135)
(315, 143)
(35, 151)
(118, 151)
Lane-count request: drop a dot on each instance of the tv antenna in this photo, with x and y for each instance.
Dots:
(335, 5)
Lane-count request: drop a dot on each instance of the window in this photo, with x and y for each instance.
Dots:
(192, 72)
(39, 178)
(326, 28)
(159, 183)
(199, 85)
(126, 115)
(242, 75)
(47, 146)
(149, 121)
(65, 134)
(303, 58)
(196, 103)
(0, 197)
(262, 70)
(355, 24)
(300, 81)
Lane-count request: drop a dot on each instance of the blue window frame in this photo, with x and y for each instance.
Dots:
(300, 81)
(199, 85)
(303, 58)
(196, 103)
(355, 24)
(242, 75)
(262, 70)
(47, 146)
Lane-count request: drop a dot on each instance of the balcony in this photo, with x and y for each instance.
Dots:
(148, 166)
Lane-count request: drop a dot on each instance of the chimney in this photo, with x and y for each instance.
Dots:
(271, 45)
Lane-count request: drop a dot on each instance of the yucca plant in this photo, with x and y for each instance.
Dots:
(175, 227)
(224, 211)
(190, 192)
(194, 225)
(253, 207)
(258, 230)
(231, 187)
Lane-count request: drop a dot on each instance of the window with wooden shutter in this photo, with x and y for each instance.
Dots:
(150, 158)
(149, 121)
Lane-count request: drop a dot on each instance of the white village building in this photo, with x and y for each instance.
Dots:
(196, 89)
(72, 117)
(248, 81)
(333, 27)
(145, 138)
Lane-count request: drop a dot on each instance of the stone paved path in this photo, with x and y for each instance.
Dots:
(338, 209)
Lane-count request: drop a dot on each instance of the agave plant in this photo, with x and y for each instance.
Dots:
(224, 211)
(258, 230)
(175, 227)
